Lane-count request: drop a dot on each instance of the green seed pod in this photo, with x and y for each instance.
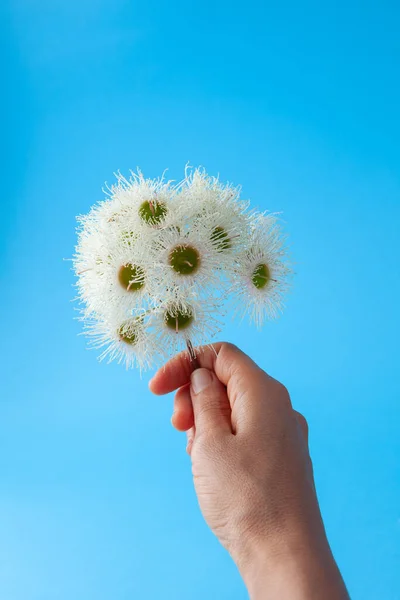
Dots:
(128, 335)
(131, 277)
(152, 211)
(261, 276)
(184, 259)
(178, 319)
(128, 332)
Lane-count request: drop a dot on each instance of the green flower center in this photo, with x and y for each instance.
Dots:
(184, 259)
(131, 277)
(152, 211)
(128, 335)
(221, 239)
(261, 276)
(178, 319)
(128, 332)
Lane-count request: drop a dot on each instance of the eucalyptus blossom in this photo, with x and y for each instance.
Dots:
(157, 264)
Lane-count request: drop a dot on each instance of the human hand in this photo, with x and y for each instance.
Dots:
(252, 473)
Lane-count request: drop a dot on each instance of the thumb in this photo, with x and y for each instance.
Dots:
(211, 406)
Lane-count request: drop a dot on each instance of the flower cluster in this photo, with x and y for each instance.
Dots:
(157, 262)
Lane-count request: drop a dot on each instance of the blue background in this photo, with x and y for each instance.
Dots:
(299, 103)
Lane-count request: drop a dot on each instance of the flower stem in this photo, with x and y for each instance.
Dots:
(192, 355)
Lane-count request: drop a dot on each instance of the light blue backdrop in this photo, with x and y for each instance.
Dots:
(298, 102)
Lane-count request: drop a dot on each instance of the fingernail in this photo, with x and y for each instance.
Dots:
(200, 379)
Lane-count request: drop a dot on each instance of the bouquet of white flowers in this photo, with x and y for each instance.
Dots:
(159, 264)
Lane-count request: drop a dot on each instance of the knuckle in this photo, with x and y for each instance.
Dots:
(276, 389)
(226, 350)
(302, 421)
(282, 388)
(228, 346)
(282, 391)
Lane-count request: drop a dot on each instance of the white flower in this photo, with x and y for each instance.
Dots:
(115, 278)
(175, 326)
(218, 209)
(155, 262)
(127, 341)
(186, 261)
(135, 206)
(261, 272)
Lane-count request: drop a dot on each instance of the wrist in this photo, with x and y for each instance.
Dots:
(293, 565)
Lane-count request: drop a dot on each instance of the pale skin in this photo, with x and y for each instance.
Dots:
(253, 473)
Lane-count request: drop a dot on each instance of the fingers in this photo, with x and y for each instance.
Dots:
(254, 396)
(190, 439)
(183, 417)
(225, 359)
(176, 372)
(211, 407)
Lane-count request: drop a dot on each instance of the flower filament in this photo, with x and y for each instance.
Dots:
(221, 239)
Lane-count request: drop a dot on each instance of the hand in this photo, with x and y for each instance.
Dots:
(252, 473)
